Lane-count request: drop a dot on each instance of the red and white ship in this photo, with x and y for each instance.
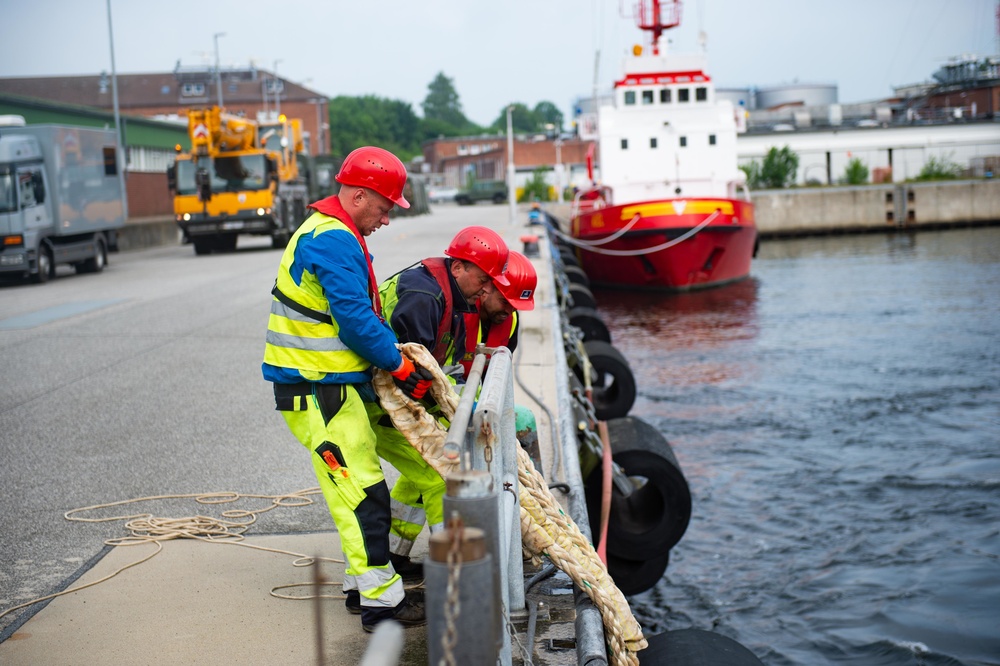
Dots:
(671, 210)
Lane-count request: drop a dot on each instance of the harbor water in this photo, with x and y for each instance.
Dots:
(838, 420)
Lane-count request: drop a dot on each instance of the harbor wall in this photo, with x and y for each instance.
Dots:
(808, 211)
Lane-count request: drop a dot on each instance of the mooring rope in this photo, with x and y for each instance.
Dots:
(590, 246)
(545, 528)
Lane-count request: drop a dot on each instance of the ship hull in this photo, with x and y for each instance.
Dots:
(718, 253)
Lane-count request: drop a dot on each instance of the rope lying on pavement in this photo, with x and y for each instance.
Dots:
(145, 528)
(545, 528)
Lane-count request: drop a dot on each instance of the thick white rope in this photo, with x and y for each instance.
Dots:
(588, 247)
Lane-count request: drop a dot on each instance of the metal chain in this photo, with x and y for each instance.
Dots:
(453, 606)
(525, 653)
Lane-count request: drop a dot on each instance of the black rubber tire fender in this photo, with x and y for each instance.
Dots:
(695, 647)
(589, 323)
(612, 382)
(654, 518)
(582, 296)
(633, 576)
(568, 255)
(576, 275)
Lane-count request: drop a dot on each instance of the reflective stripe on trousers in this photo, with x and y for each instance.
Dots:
(350, 476)
(420, 487)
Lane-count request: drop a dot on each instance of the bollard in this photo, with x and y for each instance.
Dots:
(470, 643)
(470, 495)
(530, 246)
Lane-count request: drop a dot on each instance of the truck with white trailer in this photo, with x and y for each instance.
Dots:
(61, 199)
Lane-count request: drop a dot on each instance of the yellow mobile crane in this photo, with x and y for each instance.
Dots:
(240, 177)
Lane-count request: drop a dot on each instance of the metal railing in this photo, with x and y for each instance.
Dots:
(483, 494)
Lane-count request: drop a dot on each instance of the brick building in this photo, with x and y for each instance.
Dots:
(450, 161)
(170, 94)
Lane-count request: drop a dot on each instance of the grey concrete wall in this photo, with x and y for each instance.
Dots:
(148, 232)
(804, 211)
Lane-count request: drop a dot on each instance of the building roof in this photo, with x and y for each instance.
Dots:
(138, 130)
(182, 87)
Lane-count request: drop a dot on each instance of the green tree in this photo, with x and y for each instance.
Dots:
(548, 113)
(939, 168)
(536, 189)
(371, 120)
(442, 103)
(752, 171)
(777, 170)
(522, 120)
(856, 173)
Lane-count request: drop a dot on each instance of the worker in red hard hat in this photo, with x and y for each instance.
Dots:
(324, 335)
(428, 304)
(496, 323)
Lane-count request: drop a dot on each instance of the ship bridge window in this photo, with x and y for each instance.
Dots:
(629, 97)
(624, 144)
(647, 96)
(683, 94)
(711, 139)
(701, 94)
(652, 142)
(665, 96)
(684, 141)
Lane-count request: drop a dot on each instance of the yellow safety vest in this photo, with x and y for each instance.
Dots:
(301, 331)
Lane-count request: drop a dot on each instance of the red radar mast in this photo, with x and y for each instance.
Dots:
(657, 16)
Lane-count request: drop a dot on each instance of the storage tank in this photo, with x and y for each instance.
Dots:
(797, 94)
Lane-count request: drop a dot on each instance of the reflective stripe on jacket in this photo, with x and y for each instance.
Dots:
(302, 332)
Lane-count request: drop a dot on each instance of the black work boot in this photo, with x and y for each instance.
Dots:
(409, 613)
(407, 569)
(353, 602)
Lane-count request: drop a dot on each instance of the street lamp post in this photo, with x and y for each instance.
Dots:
(559, 169)
(277, 90)
(218, 72)
(119, 152)
(511, 194)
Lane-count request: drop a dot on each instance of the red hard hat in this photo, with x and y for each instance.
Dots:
(522, 278)
(484, 248)
(377, 169)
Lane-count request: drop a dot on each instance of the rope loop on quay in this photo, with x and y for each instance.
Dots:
(145, 528)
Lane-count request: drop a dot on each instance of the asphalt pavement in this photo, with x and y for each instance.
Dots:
(144, 382)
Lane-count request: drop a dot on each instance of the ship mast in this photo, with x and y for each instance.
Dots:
(657, 17)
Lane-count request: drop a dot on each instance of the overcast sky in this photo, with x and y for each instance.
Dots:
(497, 52)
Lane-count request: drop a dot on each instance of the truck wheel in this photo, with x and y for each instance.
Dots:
(203, 245)
(499, 199)
(225, 243)
(46, 266)
(96, 263)
(279, 239)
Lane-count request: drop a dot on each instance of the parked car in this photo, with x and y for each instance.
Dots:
(441, 194)
(483, 190)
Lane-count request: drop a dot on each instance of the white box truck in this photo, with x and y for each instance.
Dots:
(60, 198)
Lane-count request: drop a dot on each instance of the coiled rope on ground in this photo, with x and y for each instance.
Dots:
(545, 528)
(145, 528)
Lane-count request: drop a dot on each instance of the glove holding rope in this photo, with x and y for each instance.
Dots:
(414, 381)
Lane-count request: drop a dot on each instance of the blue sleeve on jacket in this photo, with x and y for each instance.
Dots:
(340, 266)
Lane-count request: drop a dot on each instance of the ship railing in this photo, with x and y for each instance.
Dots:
(482, 494)
(593, 198)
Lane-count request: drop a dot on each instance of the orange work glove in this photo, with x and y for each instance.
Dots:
(414, 381)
